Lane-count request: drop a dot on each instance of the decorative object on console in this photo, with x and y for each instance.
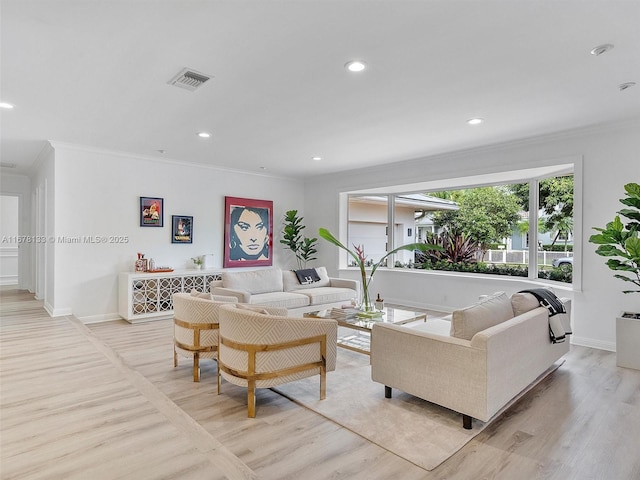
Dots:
(151, 212)
(248, 233)
(622, 242)
(197, 261)
(302, 247)
(141, 263)
(367, 308)
(181, 229)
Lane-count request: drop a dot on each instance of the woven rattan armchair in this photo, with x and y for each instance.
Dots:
(259, 350)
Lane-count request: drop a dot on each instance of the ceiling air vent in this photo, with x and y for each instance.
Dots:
(189, 79)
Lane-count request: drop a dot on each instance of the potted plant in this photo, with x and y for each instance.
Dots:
(620, 242)
(302, 247)
(367, 308)
(197, 261)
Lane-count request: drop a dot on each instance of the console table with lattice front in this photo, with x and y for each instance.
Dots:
(148, 296)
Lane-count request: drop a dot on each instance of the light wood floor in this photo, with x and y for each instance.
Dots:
(104, 402)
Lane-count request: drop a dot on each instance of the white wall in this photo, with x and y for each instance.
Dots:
(97, 194)
(610, 158)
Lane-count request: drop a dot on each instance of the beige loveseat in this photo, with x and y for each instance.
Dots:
(280, 288)
(476, 364)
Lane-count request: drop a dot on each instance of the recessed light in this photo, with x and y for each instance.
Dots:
(204, 134)
(600, 49)
(623, 86)
(6, 105)
(263, 168)
(161, 151)
(475, 121)
(317, 159)
(355, 66)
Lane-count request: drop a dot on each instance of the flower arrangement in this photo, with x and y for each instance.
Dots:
(361, 261)
(197, 261)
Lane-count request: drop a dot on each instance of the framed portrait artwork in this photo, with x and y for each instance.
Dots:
(151, 212)
(181, 229)
(248, 232)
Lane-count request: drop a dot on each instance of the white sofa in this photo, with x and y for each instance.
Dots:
(476, 364)
(280, 288)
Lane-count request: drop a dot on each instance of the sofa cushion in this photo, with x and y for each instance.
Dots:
(291, 283)
(254, 281)
(488, 312)
(280, 299)
(523, 302)
(320, 295)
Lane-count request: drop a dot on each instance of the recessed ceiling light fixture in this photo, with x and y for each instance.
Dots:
(623, 86)
(600, 49)
(6, 105)
(475, 121)
(317, 159)
(355, 65)
(204, 134)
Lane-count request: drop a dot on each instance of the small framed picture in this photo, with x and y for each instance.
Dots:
(248, 233)
(181, 229)
(151, 212)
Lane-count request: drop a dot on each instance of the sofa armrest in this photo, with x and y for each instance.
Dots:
(445, 370)
(241, 295)
(345, 283)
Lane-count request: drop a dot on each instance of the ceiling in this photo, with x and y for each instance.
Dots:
(95, 73)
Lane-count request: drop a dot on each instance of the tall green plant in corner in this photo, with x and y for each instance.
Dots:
(621, 241)
(303, 248)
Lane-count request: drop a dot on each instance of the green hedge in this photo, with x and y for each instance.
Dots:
(556, 274)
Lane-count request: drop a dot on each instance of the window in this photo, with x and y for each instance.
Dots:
(490, 222)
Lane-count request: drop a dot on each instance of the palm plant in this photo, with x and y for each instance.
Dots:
(361, 259)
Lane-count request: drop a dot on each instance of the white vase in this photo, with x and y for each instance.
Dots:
(628, 341)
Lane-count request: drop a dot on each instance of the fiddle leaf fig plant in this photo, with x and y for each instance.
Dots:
(621, 241)
(303, 248)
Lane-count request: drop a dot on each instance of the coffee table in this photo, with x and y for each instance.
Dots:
(361, 342)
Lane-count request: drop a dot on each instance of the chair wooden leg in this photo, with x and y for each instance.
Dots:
(323, 383)
(175, 357)
(251, 399)
(218, 378)
(196, 367)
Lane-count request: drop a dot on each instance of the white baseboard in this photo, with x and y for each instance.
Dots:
(53, 312)
(107, 317)
(9, 280)
(592, 343)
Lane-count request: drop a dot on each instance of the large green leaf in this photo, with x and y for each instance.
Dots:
(632, 214)
(326, 234)
(632, 245)
(614, 264)
(611, 251)
(632, 189)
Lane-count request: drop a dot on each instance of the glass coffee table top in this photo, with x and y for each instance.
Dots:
(348, 318)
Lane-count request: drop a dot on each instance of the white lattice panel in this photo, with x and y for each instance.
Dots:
(145, 295)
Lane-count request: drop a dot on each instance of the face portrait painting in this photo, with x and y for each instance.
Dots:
(249, 234)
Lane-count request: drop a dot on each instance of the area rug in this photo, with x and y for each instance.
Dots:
(418, 431)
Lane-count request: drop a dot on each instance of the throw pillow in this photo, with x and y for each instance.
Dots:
(197, 294)
(523, 302)
(252, 308)
(307, 276)
(488, 312)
